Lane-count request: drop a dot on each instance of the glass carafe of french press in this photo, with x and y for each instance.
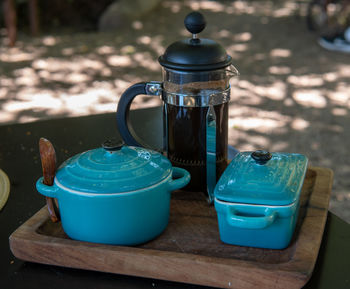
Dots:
(195, 93)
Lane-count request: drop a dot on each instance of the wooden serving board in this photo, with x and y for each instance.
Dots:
(190, 249)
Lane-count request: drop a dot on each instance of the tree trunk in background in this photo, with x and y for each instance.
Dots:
(34, 17)
(10, 20)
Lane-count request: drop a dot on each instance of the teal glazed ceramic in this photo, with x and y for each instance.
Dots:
(115, 195)
(257, 198)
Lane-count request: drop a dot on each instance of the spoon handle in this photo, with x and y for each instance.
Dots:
(48, 163)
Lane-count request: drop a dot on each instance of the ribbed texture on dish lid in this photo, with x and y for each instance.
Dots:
(101, 171)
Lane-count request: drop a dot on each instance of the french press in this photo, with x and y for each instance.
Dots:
(195, 93)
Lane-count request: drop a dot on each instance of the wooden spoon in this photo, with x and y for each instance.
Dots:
(48, 163)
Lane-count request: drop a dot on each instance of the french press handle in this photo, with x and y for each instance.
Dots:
(124, 126)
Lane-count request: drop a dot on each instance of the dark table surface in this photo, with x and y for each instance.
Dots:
(19, 158)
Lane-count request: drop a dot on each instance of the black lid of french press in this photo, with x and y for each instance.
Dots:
(195, 54)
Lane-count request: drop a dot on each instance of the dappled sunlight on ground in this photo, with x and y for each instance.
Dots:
(68, 83)
(310, 98)
(16, 54)
(267, 8)
(291, 95)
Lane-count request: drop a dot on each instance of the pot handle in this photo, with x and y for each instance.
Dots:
(48, 191)
(125, 129)
(180, 178)
(249, 222)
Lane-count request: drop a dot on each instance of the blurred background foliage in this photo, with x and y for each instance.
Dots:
(60, 14)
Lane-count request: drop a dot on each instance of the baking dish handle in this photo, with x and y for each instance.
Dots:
(250, 222)
(180, 178)
(48, 191)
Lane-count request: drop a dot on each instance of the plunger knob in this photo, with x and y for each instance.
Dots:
(195, 23)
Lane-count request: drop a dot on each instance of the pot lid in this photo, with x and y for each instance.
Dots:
(195, 54)
(114, 168)
(262, 178)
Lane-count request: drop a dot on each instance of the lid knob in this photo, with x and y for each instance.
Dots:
(195, 23)
(113, 144)
(261, 157)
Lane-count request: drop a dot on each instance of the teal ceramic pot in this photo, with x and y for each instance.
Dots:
(115, 195)
(257, 199)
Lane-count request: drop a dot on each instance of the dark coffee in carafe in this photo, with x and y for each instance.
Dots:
(196, 122)
(187, 141)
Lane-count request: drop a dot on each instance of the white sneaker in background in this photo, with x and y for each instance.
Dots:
(337, 42)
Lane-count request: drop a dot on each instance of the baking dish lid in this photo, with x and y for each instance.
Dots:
(113, 169)
(262, 178)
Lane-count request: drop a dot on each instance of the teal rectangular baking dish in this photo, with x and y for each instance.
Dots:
(257, 198)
